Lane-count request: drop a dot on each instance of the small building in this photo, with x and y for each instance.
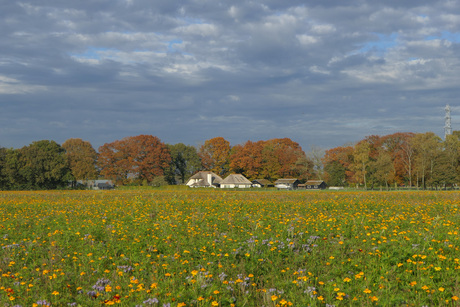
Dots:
(315, 185)
(97, 184)
(204, 179)
(287, 183)
(261, 183)
(235, 181)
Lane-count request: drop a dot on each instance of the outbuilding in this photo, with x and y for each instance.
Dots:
(287, 183)
(315, 185)
(261, 183)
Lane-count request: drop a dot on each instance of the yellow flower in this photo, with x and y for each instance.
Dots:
(441, 289)
(55, 293)
(454, 298)
(367, 291)
(274, 297)
(346, 279)
(215, 303)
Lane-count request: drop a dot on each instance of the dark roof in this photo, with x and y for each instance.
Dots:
(286, 180)
(314, 182)
(262, 181)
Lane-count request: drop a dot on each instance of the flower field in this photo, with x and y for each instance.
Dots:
(229, 248)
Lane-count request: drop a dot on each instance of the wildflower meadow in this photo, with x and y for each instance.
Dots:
(229, 248)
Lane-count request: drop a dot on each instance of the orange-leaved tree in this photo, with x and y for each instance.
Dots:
(247, 159)
(141, 157)
(284, 158)
(214, 154)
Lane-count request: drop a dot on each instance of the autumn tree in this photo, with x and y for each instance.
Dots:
(82, 159)
(184, 162)
(284, 158)
(361, 160)
(402, 153)
(427, 147)
(338, 165)
(215, 154)
(248, 159)
(141, 157)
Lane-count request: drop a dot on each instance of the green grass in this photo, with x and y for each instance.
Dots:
(199, 247)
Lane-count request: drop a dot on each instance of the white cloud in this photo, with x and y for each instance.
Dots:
(13, 86)
(306, 39)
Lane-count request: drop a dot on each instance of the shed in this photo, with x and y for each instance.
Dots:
(261, 183)
(204, 179)
(287, 183)
(97, 184)
(315, 185)
(235, 181)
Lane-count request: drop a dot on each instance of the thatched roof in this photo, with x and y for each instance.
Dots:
(204, 175)
(235, 179)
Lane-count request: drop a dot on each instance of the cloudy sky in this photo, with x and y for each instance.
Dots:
(323, 72)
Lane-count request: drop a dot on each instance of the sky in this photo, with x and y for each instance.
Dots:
(322, 72)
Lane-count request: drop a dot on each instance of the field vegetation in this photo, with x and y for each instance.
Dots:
(229, 248)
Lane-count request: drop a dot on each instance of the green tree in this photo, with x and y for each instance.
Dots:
(443, 174)
(82, 159)
(382, 168)
(42, 165)
(184, 162)
(452, 149)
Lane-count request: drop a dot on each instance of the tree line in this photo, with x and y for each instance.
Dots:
(403, 159)
(146, 160)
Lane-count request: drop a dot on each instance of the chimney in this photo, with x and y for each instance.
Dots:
(210, 179)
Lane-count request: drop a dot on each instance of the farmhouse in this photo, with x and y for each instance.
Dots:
(204, 179)
(261, 183)
(235, 181)
(315, 185)
(287, 183)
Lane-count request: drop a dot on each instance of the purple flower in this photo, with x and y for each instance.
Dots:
(151, 301)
